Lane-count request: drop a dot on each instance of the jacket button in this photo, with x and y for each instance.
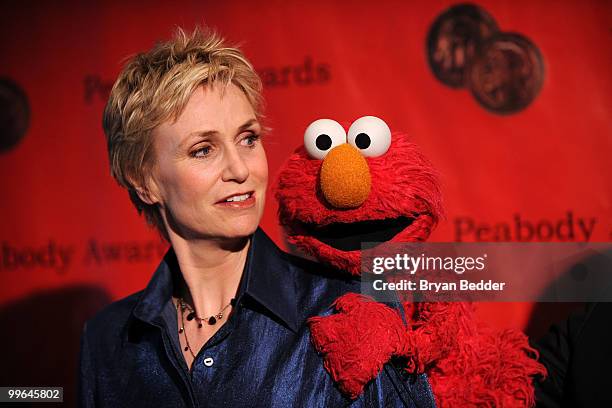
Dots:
(208, 361)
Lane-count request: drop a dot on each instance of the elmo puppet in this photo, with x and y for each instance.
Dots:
(363, 183)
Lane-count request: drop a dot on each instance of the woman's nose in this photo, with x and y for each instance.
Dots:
(235, 167)
(345, 177)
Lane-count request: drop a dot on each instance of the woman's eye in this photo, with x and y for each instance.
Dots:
(201, 152)
(250, 140)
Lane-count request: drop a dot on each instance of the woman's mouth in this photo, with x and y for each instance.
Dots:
(238, 201)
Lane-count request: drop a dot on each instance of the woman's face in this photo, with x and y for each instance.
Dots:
(211, 171)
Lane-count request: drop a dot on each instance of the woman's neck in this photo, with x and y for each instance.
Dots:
(211, 272)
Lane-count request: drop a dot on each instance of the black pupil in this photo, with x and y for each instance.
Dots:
(362, 141)
(324, 142)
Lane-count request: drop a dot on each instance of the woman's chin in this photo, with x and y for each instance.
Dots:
(227, 231)
(238, 230)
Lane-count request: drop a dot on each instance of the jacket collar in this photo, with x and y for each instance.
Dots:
(267, 279)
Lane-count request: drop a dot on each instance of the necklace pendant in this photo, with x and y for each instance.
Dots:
(212, 320)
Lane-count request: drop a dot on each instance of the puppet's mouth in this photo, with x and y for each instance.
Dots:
(350, 236)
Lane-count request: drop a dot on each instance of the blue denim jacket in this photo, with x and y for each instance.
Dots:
(261, 357)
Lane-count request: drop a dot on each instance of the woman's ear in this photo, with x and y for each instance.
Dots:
(149, 193)
(144, 196)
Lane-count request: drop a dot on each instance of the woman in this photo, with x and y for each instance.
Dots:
(223, 320)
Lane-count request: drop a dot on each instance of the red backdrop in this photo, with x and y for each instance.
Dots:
(70, 236)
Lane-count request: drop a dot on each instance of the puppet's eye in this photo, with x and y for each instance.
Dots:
(370, 135)
(321, 136)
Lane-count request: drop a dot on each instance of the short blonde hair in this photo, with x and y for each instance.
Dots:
(154, 87)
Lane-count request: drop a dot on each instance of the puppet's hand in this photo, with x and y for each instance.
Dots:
(357, 341)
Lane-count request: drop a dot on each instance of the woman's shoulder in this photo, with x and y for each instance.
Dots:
(311, 270)
(318, 285)
(111, 319)
(311, 285)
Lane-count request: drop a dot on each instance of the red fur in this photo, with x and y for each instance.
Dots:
(404, 184)
(350, 261)
(467, 363)
(359, 361)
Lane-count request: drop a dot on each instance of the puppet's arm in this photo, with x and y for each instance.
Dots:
(467, 363)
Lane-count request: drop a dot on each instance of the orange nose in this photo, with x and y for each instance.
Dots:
(345, 177)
